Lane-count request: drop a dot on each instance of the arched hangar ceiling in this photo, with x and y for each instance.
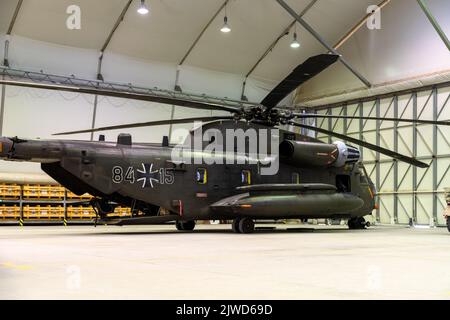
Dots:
(167, 33)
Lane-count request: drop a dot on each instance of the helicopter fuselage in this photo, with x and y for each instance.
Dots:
(146, 175)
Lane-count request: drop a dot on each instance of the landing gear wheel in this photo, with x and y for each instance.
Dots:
(185, 225)
(235, 225)
(357, 223)
(448, 224)
(246, 225)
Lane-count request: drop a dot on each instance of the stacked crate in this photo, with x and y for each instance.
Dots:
(9, 212)
(10, 191)
(44, 202)
(45, 212)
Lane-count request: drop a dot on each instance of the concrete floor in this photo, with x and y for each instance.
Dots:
(156, 262)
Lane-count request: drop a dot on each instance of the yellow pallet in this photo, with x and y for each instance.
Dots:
(71, 195)
(43, 191)
(121, 212)
(9, 191)
(43, 213)
(9, 212)
(76, 213)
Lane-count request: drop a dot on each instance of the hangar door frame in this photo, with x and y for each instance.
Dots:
(405, 194)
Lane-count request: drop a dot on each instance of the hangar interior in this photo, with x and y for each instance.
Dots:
(178, 45)
(399, 68)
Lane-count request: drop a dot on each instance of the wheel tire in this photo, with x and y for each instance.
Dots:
(188, 225)
(235, 225)
(246, 225)
(179, 225)
(448, 224)
(351, 224)
(358, 223)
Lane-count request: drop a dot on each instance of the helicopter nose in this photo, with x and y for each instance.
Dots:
(6, 145)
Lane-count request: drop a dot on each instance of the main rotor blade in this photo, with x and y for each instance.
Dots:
(365, 144)
(307, 70)
(329, 116)
(164, 99)
(147, 124)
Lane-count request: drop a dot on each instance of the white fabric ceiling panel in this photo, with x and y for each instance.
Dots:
(6, 12)
(208, 82)
(253, 28)
(405, 47)
(2, 48)
(45, 20)
(52, 58)
(125, 69)
(166, 33)
(330, 18)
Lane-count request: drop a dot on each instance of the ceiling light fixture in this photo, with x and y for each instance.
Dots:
(226, 28)
(295, 44)
(143, 8)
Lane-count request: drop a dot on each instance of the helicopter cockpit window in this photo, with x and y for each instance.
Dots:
(202, 176)
(246, 177)
(295, 178)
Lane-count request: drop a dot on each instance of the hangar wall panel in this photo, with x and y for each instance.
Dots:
(405, 193)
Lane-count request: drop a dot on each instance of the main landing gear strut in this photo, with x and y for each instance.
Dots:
(243, 225)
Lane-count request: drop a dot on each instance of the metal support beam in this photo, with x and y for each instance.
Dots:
(435, 160)
(377, 157)
(94, 115)
(414, 168)
(361, 127)
(358, 26)
(330, 125)
(444, 84)
(186, 55)
(323, 42)
(345, 121)
(395, 128)
(202, 32)
(8, 33)
(100, 59)
(6, 61)
(434, 22)
(2, 107)
(108, 39)
(272, 46)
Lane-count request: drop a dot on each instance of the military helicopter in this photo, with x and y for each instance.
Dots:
(313, 179)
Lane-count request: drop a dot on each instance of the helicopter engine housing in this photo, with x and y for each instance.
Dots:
(316, 154)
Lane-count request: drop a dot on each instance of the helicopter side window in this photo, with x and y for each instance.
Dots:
(295, 178)
(201, 176)
(246, 177)
(343, 183)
